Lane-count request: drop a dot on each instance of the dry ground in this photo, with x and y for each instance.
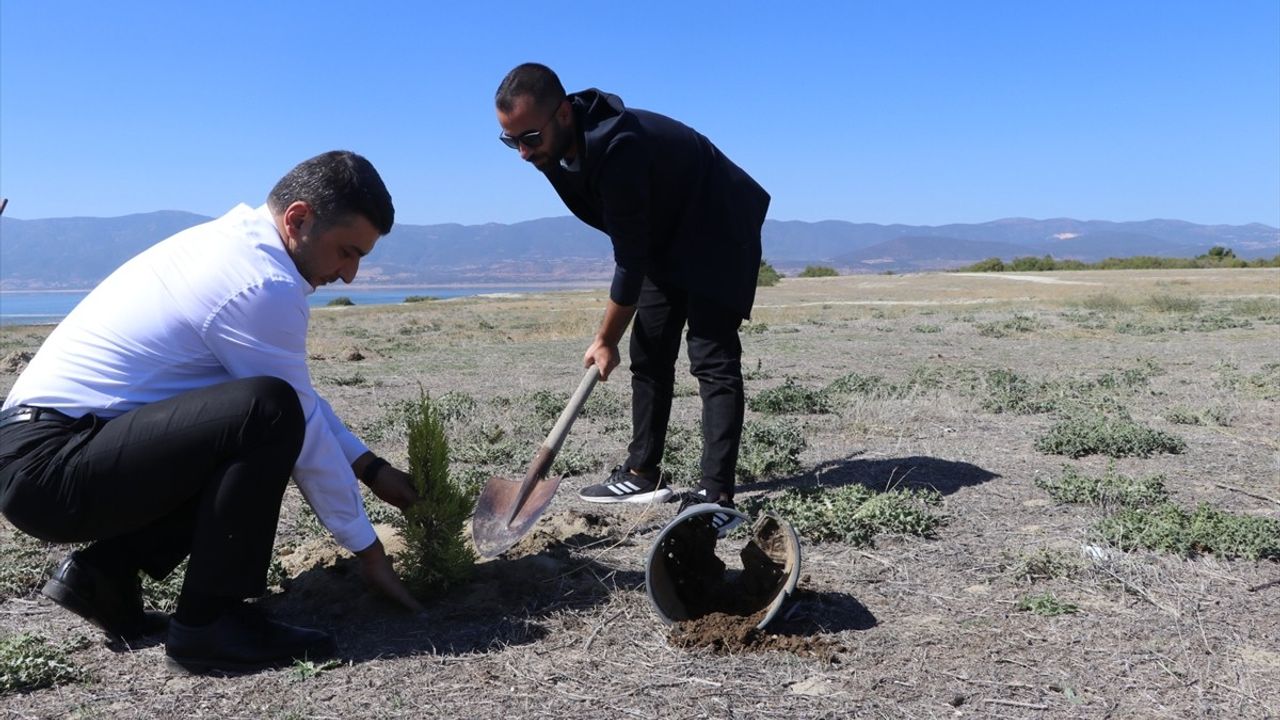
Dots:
(928, 627)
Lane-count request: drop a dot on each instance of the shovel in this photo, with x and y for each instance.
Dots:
(507, 508)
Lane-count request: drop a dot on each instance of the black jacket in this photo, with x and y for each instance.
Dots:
(676, 209)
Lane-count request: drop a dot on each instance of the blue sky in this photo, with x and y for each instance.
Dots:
(910, 112)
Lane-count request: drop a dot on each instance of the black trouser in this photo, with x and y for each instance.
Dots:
(715, 358)
(199, 474)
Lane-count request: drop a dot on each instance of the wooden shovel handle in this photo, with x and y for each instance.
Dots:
(558, 433)
(551, 446)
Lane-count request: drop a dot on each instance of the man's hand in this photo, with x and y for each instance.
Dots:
(603, 355)
(394, 487)
(376, 569)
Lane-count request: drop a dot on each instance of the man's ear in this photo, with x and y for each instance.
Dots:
(297, 218)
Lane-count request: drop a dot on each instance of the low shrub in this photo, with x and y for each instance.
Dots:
(790, 398)
(1206, 530)
(1213, 416)
(27, 562)
(818, 271)
(1005, 391)
(852, 514)
(1167, 303)
(30, 662)
(1114, 435)
(1110, 488)
(1019, 323)
(768, 276)
(1044, 564)
(1106, 303)
(1046, 604)
(769, 449)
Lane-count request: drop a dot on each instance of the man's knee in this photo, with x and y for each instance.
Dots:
(275, 409)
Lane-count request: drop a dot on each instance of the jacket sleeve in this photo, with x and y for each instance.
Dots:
(624, 194)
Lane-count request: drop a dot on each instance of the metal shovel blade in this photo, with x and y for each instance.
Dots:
(507, 509)
(490, 530)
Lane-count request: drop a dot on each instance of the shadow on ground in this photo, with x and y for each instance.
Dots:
(503, 604)
(812, 612)
(945, 476)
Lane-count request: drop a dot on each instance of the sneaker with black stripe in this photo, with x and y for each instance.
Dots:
(623, 486)
(722, 523)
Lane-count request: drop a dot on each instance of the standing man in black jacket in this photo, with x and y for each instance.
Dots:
(685, 226)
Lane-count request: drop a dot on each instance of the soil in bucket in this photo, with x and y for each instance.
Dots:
(725, 606)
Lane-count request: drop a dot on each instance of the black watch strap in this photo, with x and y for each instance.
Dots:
(371, 470)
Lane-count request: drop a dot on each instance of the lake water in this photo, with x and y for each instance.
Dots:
(47, 308)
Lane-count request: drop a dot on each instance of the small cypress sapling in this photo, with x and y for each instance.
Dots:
(437, 557)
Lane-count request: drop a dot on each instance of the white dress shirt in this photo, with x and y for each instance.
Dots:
(215, 302)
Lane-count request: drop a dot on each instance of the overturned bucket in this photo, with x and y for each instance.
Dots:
(686, 580)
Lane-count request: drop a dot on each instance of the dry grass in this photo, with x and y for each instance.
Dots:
(928, 627)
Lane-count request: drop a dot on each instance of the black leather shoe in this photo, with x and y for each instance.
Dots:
(242, 640)
(114, 604)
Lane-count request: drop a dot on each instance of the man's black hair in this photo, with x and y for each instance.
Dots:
(533, 79)
(337, 185)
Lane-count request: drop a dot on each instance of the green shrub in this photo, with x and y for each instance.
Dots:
(354, 380)
(454, 405)
(767, 277)
(1046, 604)
(1110, 488)
(818, 271)
(304, 670)
(769, 449)
(1173, 303)
(992, 264)
(1105, 302)
(927, 329)
(1114, 435)
(162, 595)
(1258, 308)
(27, 562)
(1004, 391)
(574, 460)
(1019, 323)
(790, 398)
(1214, 416)
(29, 662)
(852, 514)
(682, 454)
(437, 558)
(1206, 530)
(1044, 564)
(340, 301)
(857, 384)
(544, 408)
(420, 298)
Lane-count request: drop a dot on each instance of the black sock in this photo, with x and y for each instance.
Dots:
(196, 609)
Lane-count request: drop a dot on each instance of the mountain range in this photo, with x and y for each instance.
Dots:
(78, 252)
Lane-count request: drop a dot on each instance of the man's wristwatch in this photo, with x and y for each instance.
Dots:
(371, 470)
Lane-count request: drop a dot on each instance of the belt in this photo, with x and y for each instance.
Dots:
(26, 413)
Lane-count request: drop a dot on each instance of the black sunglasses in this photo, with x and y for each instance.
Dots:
(532, 139)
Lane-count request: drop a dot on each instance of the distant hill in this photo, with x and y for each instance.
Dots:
(79, 252)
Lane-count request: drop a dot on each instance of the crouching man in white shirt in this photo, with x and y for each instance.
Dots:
(163, 417)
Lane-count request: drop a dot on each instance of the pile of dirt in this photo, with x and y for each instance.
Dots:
(15, 362)
(560, 531)
(727, 634)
